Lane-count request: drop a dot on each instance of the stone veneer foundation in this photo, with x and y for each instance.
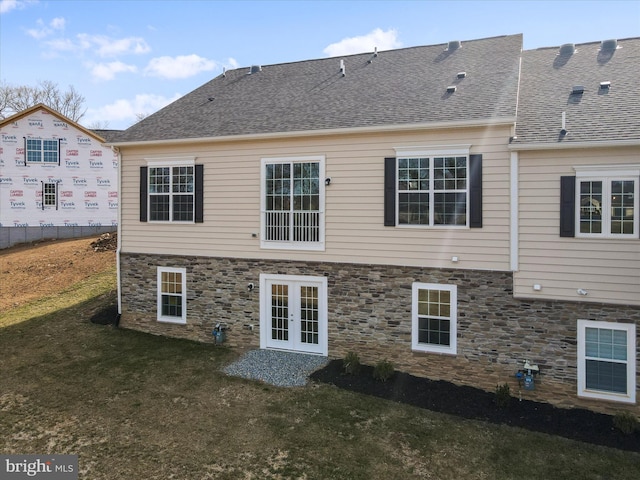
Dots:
(369, 312)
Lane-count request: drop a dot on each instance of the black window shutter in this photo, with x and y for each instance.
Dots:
(475, 191)
(390, 192)
(59, 151)
(42, 185)
(143, 193)
(199, 207)
(568, 206)
(57, 189)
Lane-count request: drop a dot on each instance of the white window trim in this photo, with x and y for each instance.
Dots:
(453, 317)
(606, 177)
(165, 318)
(42, 150)
(435, 151)
(170, 162)
(630, 328)
(291, 245)
(455, 151)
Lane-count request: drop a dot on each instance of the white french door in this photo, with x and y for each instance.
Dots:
(293, 313)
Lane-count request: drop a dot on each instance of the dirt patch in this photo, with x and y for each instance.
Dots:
(476, 404)
(40, 269)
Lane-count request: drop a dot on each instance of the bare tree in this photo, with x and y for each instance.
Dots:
(14, 99)
(99, 125)
(141, 116)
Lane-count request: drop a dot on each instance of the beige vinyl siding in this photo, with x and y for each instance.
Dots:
(608, 269)
(354, 230)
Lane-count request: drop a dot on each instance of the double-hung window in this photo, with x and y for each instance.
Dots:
(432, 190)
(49, 194)
(171, 191)
(607, 360)
(439, 187)
(42, 151)
(172, 295)
(434, 317)
(292, 203)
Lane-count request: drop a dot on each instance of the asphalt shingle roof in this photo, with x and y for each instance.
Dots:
(397, 87)
(597, 114)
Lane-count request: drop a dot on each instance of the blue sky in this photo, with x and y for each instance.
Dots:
(134, 57)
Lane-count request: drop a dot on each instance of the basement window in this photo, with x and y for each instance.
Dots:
(434, 318)
(606, 360)
(172, 295)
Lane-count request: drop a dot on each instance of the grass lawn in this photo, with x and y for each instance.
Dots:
(137, 406)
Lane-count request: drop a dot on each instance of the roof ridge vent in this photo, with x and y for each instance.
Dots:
(567, 49)
(453, 45)
(608, 45)
(254, 69)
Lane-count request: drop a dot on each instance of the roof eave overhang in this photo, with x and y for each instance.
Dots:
(574, 145)
(482, 123)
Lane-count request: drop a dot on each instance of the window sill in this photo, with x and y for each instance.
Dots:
(176, 321)
(292, 246)
(432, 350)
(611, 397)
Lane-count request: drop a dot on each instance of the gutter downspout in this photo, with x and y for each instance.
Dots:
(119, 240)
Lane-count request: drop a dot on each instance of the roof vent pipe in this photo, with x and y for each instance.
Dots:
(453, 45)
(342, 69)
(608, 45)
(375, 55)
(567, 49)
(563, 131)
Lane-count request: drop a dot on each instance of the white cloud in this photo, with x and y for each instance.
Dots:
(108, 47)
(61, 45)
(123, 113)
(182, 66)
(58, 23)
(42, 30)
(231, 63)
(7, 5)
(107, 71)
(383, 40)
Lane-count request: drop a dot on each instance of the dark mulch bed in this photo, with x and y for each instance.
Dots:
(473, 403)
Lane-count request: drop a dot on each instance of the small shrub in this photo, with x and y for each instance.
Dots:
(383, 370)
(503, 395)
(351, 363)
(626, 422)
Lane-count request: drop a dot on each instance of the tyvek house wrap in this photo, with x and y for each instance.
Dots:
(85, 174)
